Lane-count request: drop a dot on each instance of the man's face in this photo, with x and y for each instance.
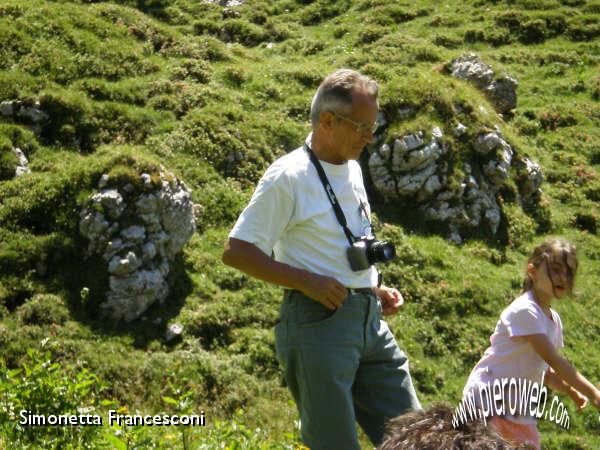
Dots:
(351, 132)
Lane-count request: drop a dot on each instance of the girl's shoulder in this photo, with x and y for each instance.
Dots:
(522, 308)
(523, 317)
(523, 301)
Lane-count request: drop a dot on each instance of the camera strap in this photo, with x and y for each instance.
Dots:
(339, 214)
(337, 209)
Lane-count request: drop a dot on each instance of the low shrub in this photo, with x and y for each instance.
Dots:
(583, 28)
(553, 119)
(586, 220)
(239, 30)
(8, 159)
(370, 34)
(447, 41)
(43, 309)
(321, 10)
(520, 227)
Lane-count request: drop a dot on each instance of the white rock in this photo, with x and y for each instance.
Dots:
(446, 195)
(460, 129)
(6, 108)
(470, 67)
(136, 281)
(409, 184)
(92, 225)
(164, 268)
(135, 233)
(436, 132)
(147, 179)
(149, 251)
(112, 201)
(173, 331)
(124, 266)
(33, 113)
(147, 204)
(454, 236)
(20, 170)
(113, 247)
(497, 171)
(103, 181)
(383, 181)
(409, 142)
(486, 143)
(23, 161)
(129, 297)
(432, 185)
(442, 213)
(385, 151)
(530, 185)
(418, 159)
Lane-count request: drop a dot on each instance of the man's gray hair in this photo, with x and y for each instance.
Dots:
(335, 93)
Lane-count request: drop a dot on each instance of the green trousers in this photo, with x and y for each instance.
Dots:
(342, 367)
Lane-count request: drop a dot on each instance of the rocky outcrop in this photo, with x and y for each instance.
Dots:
(138, 231)
(414, 169)
(26, 111)
(500, 90)
(22, 162)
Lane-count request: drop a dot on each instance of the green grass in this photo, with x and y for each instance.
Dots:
(214, 95)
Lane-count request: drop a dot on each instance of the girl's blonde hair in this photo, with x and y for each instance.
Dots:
(557, 250)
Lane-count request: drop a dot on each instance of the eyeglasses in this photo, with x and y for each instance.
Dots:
(361, 128)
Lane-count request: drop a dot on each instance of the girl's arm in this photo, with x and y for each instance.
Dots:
(563, 368)
(553, 380)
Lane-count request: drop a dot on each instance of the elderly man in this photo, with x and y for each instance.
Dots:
(341, 362)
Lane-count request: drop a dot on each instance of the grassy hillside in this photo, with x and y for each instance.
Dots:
(215, 94)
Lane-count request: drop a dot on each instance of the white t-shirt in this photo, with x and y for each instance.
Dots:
(291, 216)
(510, 356)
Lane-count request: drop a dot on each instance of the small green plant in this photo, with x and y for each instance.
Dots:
(43, 386)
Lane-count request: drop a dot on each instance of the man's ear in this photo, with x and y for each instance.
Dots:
(326, 119)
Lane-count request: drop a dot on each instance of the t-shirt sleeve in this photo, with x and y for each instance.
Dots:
(560, 340)
(269, 211)
(523, 320)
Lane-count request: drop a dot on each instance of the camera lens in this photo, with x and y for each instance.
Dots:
(381, 251)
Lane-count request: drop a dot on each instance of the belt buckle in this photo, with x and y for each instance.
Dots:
(354, 291)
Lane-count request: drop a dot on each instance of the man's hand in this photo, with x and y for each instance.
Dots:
(391, 300)
(326, 290)
(248, 258)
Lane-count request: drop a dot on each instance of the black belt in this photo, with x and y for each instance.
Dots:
(351, 291)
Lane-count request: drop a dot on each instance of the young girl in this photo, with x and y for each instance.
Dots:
(525, 346)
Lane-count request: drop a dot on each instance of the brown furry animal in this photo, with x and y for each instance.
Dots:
(433, 430)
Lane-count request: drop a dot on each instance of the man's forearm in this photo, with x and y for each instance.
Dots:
(251, 260)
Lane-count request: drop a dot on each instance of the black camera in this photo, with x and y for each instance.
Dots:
(367, 251)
